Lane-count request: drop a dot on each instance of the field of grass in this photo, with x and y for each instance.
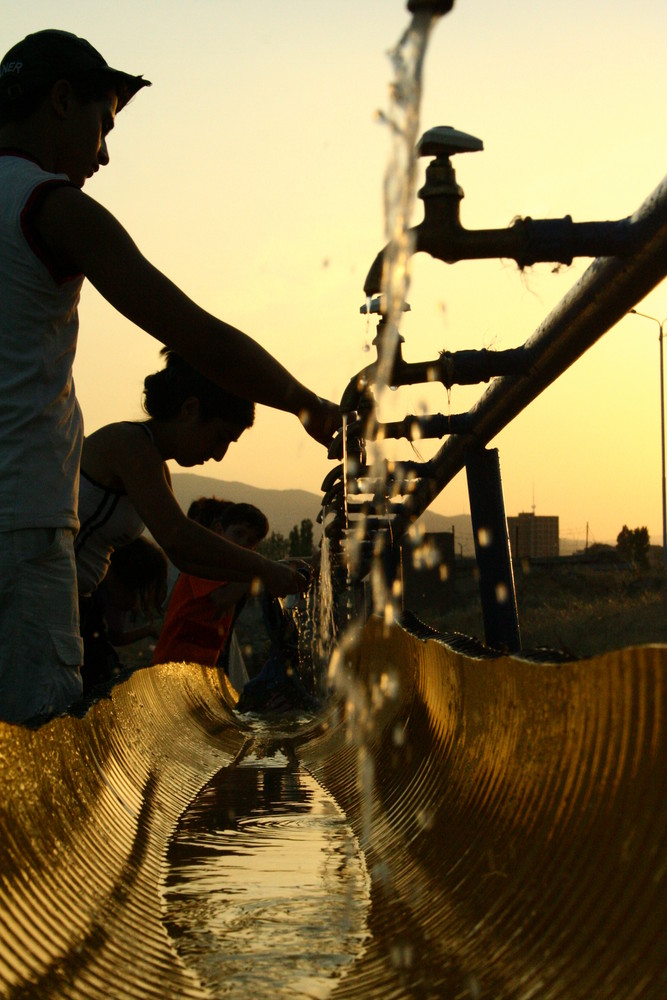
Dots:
(578, 608)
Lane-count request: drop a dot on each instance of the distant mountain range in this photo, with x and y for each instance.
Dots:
(286, 508)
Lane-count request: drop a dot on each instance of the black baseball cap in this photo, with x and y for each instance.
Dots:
(50, 55)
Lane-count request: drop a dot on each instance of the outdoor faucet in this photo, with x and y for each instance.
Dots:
(449, 368)
(526, 241)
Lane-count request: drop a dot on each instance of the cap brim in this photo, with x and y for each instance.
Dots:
(126, 86)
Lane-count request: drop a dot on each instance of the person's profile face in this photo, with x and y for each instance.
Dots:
(203, 440)
(86, 126)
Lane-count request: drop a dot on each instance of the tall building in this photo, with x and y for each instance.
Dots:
(533, 537)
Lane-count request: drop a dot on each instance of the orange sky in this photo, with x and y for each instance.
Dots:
(251, 173)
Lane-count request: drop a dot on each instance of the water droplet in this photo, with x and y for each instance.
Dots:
(484, 537)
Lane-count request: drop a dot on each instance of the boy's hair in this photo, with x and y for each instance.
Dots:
(166, 391)
(142, 567)
(244, 513)
(214, 513)
(32, 66)
(206, 510)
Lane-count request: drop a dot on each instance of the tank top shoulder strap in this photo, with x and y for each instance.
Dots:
(144, 427)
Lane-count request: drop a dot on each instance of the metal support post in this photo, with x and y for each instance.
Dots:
(492, 549)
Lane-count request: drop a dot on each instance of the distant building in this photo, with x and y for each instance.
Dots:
(533, 537)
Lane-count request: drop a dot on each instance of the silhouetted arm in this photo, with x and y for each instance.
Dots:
(87, 238)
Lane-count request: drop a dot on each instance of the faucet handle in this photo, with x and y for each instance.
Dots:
(436, 7)
(444, 141)
(378, 305)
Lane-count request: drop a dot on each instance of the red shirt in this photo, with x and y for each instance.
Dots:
(194, 630)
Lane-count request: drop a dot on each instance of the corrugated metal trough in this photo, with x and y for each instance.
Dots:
(515, 833)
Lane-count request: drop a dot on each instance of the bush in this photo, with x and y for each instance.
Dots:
(633, 545)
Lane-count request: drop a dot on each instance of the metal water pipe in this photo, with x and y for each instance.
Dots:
(607, 290)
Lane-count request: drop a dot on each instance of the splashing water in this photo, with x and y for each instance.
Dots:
(402, 119)
(325, 633)
(399, 192)
(400, 177)
(345, 503)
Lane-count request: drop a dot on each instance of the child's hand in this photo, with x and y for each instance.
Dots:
(282, 578)
(300, 564)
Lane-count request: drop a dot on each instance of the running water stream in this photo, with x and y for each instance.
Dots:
(402, 118)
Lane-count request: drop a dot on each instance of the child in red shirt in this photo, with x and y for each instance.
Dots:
(200, 613)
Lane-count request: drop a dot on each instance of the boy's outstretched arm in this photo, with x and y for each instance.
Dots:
(86, 238)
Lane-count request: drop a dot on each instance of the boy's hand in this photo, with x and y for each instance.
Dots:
(322, 419)
(300, 564)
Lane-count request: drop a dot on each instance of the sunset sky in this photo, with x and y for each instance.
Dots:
(251, 173)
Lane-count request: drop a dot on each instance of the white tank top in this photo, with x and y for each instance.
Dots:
(108, 520)
(41, 429)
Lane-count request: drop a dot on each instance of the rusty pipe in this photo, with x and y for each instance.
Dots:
(527, 241)
(606, 291)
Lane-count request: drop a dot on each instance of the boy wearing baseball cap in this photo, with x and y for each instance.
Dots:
(31, 66)
(58, 102)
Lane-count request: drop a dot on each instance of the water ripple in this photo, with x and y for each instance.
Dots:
(267, 892)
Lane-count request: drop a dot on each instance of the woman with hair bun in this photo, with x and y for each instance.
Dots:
(125, 484)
